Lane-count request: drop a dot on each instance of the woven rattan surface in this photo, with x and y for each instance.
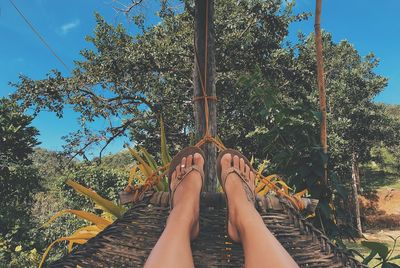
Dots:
(128, 241)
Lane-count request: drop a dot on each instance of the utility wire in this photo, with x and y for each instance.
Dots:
(39, 36)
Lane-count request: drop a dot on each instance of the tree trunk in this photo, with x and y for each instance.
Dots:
(358, 177)
(356, 206)
(205, 67)
(321, 82)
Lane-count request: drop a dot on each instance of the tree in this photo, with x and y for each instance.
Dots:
(134, 80)
(205, 110)
(17, 136)
(356, 122)
(18, 180)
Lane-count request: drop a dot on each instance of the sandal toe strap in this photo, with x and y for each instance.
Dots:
(182, 177)
(245, 182)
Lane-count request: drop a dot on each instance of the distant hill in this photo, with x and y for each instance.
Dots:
(122, 159)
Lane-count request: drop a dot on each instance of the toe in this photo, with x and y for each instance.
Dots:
(226, 161)
(182, 166)
(189, 161)
(242, 166)
(247, 172)
(252, 178)
(198, 160)
(177, 170)
(236, 162)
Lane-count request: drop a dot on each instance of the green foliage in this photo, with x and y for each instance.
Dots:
(150, 75)
(50, 165)
(81, 235)
(120, 161)
(18, 180)
(17, 136)
(383, 251)
(104, 181)
(271, 112)
(288, 134)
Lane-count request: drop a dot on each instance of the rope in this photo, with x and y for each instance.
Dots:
(265, 184)
(39, 36)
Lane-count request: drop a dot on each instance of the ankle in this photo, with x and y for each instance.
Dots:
(239, 210)
(187, 217)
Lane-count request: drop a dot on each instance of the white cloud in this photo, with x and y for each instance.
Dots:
(67, 27)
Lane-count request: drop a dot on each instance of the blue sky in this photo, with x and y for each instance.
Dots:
(372, 26)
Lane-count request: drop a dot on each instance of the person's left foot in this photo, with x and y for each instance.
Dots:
(187, 194)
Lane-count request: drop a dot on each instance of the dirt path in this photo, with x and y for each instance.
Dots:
(382, 235)
(389, 200)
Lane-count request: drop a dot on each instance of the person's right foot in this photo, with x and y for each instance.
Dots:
(237, 198)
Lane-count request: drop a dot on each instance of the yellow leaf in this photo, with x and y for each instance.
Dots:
(132, 175)
(262, 167)
(301, 194)
(264, 191)
(107, 205)
(143, 171)
(18, 248)
(99, 221)
(284, 186)
(74, 239)
(310, 216)
(260, 170)
(147, 168)
(265, 182)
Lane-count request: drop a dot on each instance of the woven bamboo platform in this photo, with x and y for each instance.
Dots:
(128, 241)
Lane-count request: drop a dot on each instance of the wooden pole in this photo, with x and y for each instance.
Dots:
(321, 82)
(205, 68)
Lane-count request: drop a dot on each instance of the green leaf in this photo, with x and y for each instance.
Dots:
(165, 157)
(381, 248)
(150, 160)
(146, 168)
(389, 265)
(394, 258)
(107, 205)
(370, 257)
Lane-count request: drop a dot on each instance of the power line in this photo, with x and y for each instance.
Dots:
(39, 36)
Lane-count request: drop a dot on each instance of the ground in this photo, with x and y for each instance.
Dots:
(388, 200)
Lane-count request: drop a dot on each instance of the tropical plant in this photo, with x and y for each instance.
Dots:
(148, 167)
(110, 210)
(384, 257)
(138, 174)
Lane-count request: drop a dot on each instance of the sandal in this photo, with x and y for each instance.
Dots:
(177, 161)
(245, 182)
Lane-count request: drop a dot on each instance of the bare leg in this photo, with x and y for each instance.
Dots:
(261, 249)
(173, 247)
